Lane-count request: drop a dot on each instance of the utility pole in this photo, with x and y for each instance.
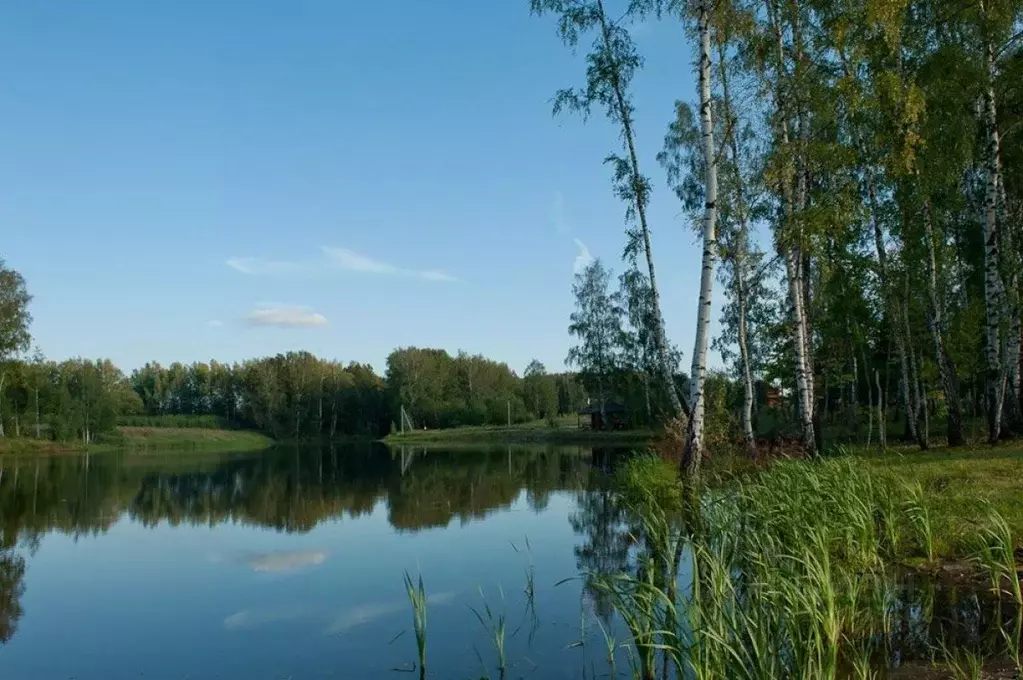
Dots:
(509, 413)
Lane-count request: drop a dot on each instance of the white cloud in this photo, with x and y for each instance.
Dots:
(258, 266)
(215, 323)
(285, 561)
(365, 613)
(285, 317)
(354, 262)
(248, 619)
(332, 261)
(437, 275)
(583, 259)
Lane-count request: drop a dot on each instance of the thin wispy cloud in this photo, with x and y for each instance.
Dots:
(332, 261)
(247, 619)
(215, 323)
(258, 266)
(558, 213)
(285, 317)
(361, 614)
(583, 259)
(286, 561)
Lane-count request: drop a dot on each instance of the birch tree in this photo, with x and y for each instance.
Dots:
(694, 436)
(14, 323)
(597, 323)
(789, 238)
(611, 65)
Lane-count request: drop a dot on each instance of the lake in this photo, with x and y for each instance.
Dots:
(290, 564)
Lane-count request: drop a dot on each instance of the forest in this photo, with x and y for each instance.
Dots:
(853, 173)
(289, 396)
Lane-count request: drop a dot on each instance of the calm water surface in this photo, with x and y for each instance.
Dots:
(289, 563)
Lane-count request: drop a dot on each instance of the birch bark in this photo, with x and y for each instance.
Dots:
(694, 436)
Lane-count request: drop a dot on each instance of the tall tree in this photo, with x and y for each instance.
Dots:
(14, 322)
(611, 65)
(694, 436)
(597, 324)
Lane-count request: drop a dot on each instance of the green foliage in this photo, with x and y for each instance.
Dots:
(788, 569)
(597, 323)
(648, 482)
(418, 601)
(14, 315)
(441, 391)
(288, 396)
(208, 422)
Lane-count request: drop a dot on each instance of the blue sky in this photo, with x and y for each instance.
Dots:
(193, 180)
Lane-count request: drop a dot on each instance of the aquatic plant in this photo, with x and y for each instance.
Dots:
(786, 574)
(494, 624)
(920, 518)
(996, 553)
(417, 598)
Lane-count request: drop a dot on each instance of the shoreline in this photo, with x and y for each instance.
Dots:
(146, 439)
(521, 435)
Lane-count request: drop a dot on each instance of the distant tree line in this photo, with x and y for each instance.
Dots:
(288, 396)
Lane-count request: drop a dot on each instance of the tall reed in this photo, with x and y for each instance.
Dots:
(996, 552)
(417, 598)
(494, 624)
(787, 572)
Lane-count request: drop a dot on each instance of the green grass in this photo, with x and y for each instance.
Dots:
(193, 438)
(565, 431)
(791, 564)
(146, 438)
(960, 486)
(177, 421)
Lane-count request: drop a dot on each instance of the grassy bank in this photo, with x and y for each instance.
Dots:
(564, 431)
(193, 438)
(146, 438)
(958, 486)
(794, 570)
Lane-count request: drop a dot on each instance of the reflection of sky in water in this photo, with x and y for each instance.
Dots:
(240, 601)
(241, 598)
(286, 561)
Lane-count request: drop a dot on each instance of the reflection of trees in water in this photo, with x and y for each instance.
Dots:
(959, 616)
(287, 490)
(606, 542)
(12, 573)
(469, 485)
(603, 521)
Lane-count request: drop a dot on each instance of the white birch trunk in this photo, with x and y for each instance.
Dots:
(805, 395)
(881, 434)
(1014, 361)
(870, 397)
(992, 284)
(790, 250)
(748, 396)
(694, 437)
(854, 401)
(739, 258)
(935, 323)
(914, 377)
(660, 339)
